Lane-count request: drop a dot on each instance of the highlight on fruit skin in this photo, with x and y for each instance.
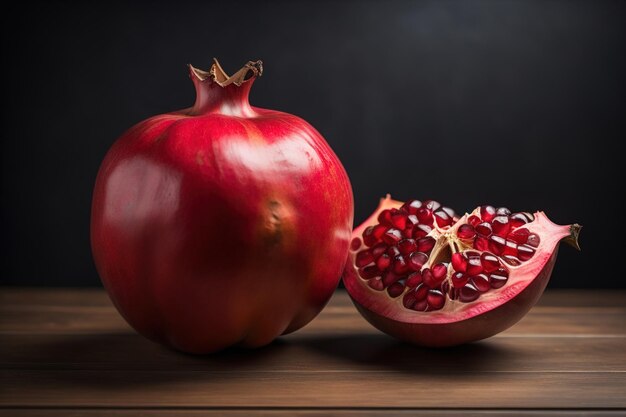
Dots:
(419, 272)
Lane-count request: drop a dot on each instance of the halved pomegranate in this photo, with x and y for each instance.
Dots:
(418, 272)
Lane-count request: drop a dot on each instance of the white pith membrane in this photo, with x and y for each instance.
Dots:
(447, 242)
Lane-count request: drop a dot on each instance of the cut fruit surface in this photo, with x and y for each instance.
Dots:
(421, 273)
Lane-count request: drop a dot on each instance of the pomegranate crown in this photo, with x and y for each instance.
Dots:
(216, 73)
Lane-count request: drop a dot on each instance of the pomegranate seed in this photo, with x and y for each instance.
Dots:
(414, 280)
(408, 301)
(363, 258)
(497, 244)
(440, 271)
(417, 260)
(429, 279)
(431, 205)
(389, 278)
(466, 232)
(368, 236)
(407, 233)
(468, 293)
(395, 289)
(516, 222)
(379, 249)
(380, 230)
(412, 218)
(369, 272)
(510, 247)
(503, 271)
(355, 244)
(435, 299)
(399, 220)
(449, 212)
(473, 220)
(487, 213)
(376, 284)
(481, 243)
(525, 252)
(459, 262)
(384, 218)
(442, 218)
(511, 260)
(503, 211)
(490, 262)
(393, 251)
(399, 265)
(520, 219)
(424, 216)
(392, 236)
(383, 262)
(519, 236)
(484, 229)
(459, 279)
(481, 282)
(474, 266)
(498, 278)
(411, 206)
(421, 230)
(407, 246)
(533, 240)
(501, 226)
(372, 234)
(421, 292)
(425, 244)
(421, 306)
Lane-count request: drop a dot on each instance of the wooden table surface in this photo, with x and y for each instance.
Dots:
(68, 352)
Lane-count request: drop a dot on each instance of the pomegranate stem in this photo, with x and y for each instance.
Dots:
(572, 239)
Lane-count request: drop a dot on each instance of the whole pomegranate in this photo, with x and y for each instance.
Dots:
(420, 273)
(221, 224)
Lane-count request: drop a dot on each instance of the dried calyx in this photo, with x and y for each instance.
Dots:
(217, 74)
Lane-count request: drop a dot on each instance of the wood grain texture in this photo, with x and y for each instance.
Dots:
(305, 389)
(68, 352)
(299, 412)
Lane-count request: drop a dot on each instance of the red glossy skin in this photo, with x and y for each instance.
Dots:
(221, 224)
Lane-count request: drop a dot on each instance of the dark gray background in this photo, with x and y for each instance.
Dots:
(517, 103)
